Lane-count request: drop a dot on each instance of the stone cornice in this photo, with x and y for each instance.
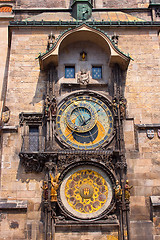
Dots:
(90, 23)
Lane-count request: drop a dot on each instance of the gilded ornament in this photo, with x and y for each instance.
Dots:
(86, 191)
(54, 187)
(118, 191)
(127, 189)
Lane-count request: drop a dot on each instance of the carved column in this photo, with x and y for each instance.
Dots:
(120, 104)
(49, 112)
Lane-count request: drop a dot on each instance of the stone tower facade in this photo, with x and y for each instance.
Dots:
(80, 130)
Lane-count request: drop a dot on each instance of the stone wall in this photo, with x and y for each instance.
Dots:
(4, 21)
(26, 87)
(96, 3)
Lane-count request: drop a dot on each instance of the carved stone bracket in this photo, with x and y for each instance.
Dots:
(121, 165)
(70, 157)
(32, 162)
(50, 165)
(37, 162)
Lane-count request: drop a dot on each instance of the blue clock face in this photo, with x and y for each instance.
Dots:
(81, 117)
(85, 123)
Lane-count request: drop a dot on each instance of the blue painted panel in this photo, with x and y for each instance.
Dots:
(97, 72)
(69, 72)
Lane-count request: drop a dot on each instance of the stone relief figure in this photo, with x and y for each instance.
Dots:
(54, 187)
(115, 39)
(5, 115)
(127, 189)
(51, 39)
(122, 105)
(53, 106)
(118, 191)
(45, 190)
(83, 77)
(46, 106)
(50, 106)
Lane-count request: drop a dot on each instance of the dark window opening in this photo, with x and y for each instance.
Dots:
(33, 138)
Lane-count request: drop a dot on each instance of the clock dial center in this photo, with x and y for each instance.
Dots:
(81, 117)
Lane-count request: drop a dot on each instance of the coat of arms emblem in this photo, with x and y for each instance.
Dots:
(150, 134)
(83, 77)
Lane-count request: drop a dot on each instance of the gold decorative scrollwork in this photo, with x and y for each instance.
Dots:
(86, 191)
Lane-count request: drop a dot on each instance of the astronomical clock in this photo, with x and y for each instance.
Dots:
(85, 124)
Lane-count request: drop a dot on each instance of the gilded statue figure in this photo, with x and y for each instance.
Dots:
(115, 106)
(54, 187)
(127, 189)
(118, 191)
(45, 190)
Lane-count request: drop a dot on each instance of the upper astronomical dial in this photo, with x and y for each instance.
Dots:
(84, 122)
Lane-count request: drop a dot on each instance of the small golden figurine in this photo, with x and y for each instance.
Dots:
(115, 106)
(45, 190)
(127, 189)
(118, 191)
(54, 187)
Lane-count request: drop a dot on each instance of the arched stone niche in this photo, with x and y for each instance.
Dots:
(84, 33)
(70, 55)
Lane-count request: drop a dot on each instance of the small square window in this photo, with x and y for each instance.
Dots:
(97, 72)
(70, 72)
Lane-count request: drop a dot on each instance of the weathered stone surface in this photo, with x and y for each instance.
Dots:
(141, 230)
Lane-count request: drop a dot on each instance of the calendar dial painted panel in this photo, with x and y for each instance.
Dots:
(84, 122)
(86, 192)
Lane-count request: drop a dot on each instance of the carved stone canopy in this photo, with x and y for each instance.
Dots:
(85, 33)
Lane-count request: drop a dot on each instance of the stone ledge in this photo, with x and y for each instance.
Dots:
(9, 128)
(103, 226)
(144, 126)
(13, 204)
